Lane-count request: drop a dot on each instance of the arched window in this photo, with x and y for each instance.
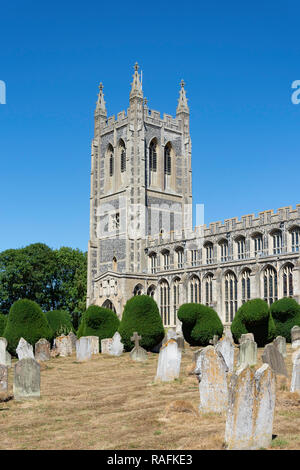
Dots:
(209, 250)
(122, 156)
(114, 264)
(195, 290)
(224, 250)
(295, 236)
(167, 159)
(111, 160)
(153, 262)
(165, 302)
(194, 257)
(258, 243)
(270, 285)
(176, 299)
(230, 296)
(166, 259)
(153, 156)
(208, 280)
(241, 247)
(287, 278)
(138, 290)
(246, 292)
(151, 291)
(277, 241)
(179, 253)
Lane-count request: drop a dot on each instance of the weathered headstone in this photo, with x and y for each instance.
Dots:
(3, 378)
(295, 337)
(227, 333)
(83, 349)
(138, 353)
(42, 350)
(247, 354)
(169, 359)
(117, 347)
(180, 341)
(280, 343)
(5, 357)
(226, 348)
(24, 350)
(250, 412)
(73, 339)
(94, 340)
(106, 345)
(275, 359)
(246, 337)
(63, 345)
(295, 382)
(211, 370)
(26, 379)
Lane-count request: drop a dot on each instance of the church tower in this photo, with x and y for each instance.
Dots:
(140, 187)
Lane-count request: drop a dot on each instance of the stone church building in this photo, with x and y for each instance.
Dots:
(141, 236)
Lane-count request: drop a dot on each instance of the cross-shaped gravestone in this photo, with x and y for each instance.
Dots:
(136, 339)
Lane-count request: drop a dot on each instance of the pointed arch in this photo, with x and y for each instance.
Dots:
(122, 153)
(167, 159)
(108, 304)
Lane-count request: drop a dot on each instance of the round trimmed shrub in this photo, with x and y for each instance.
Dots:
(286, 314)
(199, 323)
(254, 317)
(60, 322)
(25, 320)
(3, 321)
(98, 321)
(141, 314)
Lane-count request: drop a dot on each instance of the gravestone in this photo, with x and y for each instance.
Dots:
(226, 348)
(169, 359)
(274, 358)
(117, 347)
(180, 341)
(106, 345)
(214, 340)
(246, 337)
(138, 353)
(247, 353)
(295, 382)
(280, 344)
(295, 337)
(24, 350)
(63, 345)
(73, 339)
(5, 357)
(227, 333)
(94, 340)
(211, 370)
(3, 378)
(42, 350)
(26, 379)
(250, 413)
(83, 349)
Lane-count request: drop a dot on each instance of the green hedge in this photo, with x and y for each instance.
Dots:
(141, 314)
(199, 323)
(254, 317)
(286, 314)
(3, 321)
(26, 320)
(98, 321)
(60, 322)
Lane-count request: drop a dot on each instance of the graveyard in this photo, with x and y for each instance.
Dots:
(114, 402)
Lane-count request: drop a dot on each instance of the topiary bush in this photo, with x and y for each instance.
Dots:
(199, 323)
(254, 317)
(25, 320)
(286, 314)
(141, 314)
(60, 322)
(98, 321)
(3, 321)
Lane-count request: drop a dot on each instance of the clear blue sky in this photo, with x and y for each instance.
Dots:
(238, 60)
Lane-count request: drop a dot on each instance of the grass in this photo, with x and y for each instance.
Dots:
(104, 403)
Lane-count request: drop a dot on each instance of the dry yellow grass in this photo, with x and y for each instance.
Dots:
(113, 403)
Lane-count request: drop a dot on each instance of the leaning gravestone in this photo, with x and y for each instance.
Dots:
(250, 413)
(73, 339)
(24, 350)
(247, 354)
(26, 379)
(83, 349)
(280, 344)
(42, 350)
(63, 345)
(117, 347)
(246, 337)
(211, 370)
(295, 337)
(169, 359)
(275, 359)
(106, 345)
(138, 353)
(295, 382)
(3, 378)
(94, 340)
(226, 348)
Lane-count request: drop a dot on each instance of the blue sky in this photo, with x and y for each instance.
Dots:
(238, 60)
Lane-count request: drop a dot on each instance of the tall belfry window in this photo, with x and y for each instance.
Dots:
(153, 156)
(167, 160)
(123, 156)
(111, 160)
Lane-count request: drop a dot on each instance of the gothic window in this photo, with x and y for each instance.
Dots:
(165, 302)
(166, 260)
(151, 291)
(277, 242)
(153, 261)
(194, 257)
(195, 290)
(114, 264)
(224, 250)
(122, 156)
(258, 243)
(208, 289)
(287, 274)
(138, 290)
(175, 299)
(230, 296)
(153, 156)
(246, 293)
(114, 222)
(270, 285)
(295, 235)
(240, 242)
(180, 258)
(167, 160)
(209, 249)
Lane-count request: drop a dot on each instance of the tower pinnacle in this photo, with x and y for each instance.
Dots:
(182, 106)
(136, 86)
(100, 106)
